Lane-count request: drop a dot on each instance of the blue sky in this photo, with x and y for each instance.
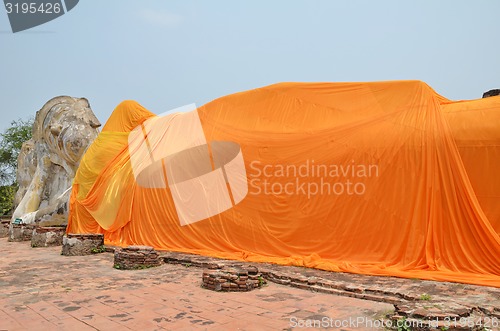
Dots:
(166, 54)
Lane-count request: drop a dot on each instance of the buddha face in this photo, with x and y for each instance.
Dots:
(69, 128)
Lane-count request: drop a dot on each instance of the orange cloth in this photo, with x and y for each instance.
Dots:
(428, 168)
(475, 128)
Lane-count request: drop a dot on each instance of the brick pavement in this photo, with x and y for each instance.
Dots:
(40, 289)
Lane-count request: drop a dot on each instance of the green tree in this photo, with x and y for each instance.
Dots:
(10, 145)
(11, 142)
(7, 194)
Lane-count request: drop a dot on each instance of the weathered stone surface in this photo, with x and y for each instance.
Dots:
(82, 244)
(491, 93)
(136, 257)
(62, 131)
(20, 232)
(233, 279)
(47, 236)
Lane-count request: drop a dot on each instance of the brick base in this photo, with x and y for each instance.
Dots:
(21, 232)
(233, 279)
(48, 236)
(82, 244)
(136, 257)
(4, 228)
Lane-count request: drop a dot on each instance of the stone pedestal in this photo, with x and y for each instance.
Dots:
(136, 257)
(21, 232)
(82, 244)
(233, 279)
(48, 236)
(4, 228)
